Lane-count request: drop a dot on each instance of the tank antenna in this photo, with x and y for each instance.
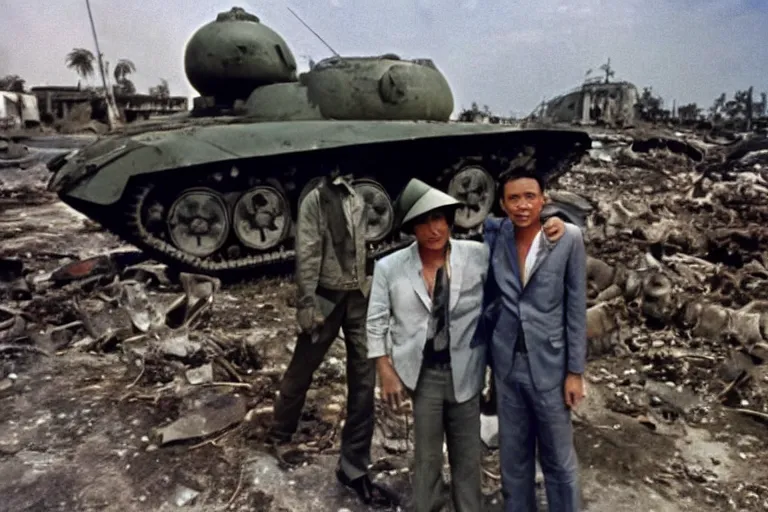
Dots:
(310, 29)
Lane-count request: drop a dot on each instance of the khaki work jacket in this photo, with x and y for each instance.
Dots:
(320, 262)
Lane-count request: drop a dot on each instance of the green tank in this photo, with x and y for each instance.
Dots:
(217, 191)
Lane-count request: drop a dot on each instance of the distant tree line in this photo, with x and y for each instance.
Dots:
(741, 108)
(83, 62)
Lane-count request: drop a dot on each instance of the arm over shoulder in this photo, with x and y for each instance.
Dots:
(576, 301)
(491, 225)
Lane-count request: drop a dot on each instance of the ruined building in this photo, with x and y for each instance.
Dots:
(18, 110)
(56, 102)
(612, 103)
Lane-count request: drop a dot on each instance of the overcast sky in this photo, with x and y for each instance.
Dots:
(504, 53)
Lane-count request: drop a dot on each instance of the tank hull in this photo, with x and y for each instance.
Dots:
(222, 199)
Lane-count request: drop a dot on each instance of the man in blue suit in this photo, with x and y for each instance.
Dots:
(535, 315)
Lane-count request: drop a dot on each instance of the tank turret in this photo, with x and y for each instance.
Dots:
(361, 88)
(237, 57)
(230, 57)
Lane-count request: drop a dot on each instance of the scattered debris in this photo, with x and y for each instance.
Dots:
(206, 417)
(178, 374)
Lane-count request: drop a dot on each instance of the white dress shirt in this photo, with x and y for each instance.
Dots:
(530, 258)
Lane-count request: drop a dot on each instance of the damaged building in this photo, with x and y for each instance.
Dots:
(612, 104)
(58, 102)
(18, 110)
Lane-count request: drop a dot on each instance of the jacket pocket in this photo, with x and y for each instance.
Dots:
(557, 341)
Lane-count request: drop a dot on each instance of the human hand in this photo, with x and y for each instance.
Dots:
(393, 392)
(307, 319)
(554, 229)
(574, 390)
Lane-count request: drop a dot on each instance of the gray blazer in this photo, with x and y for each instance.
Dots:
(552, 306)
(399, 308)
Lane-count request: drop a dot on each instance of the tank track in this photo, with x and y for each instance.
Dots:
(141, 237)
(145, 240)
(147, 229)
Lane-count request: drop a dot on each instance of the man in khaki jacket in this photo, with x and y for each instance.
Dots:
(332, 294)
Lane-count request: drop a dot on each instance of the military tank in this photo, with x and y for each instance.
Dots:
(217, 191)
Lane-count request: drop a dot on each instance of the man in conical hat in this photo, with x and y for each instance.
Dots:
(423, 309)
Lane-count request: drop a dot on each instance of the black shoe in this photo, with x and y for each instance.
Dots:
(288, 456)
(369, 492)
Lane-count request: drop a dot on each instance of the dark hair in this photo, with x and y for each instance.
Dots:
(519, 173)
(449, 212)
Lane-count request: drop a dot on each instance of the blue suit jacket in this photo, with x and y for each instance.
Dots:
(552, 307)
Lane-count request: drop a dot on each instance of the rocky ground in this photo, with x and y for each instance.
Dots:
(125, 388)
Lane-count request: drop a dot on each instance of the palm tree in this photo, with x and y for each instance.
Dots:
(123, 68)
(162, 90)
(12, 83)
(81, 60)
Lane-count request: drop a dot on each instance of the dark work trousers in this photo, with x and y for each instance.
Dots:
(436, 414)
(349, 314)
(527, 418)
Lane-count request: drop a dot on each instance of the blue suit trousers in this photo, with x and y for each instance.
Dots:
(527, 418)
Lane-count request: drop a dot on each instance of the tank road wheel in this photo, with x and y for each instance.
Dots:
(262, 218)
(379, 210)
(475, 187)
(198, 222)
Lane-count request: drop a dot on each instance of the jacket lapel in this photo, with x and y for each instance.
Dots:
(414, 274)
(510, 249)
(457, 270)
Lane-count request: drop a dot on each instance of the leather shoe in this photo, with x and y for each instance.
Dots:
(368, 492)
(288, 456)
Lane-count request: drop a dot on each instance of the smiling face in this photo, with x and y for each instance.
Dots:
(522, 201)
(432, 231)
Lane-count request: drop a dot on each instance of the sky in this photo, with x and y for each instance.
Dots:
(507, 54)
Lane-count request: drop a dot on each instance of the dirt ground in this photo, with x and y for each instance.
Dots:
(80, 422)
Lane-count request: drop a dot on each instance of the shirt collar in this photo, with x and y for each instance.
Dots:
(344, 182)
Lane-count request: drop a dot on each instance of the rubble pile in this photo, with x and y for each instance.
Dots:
(677, 237)
(678, 280)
